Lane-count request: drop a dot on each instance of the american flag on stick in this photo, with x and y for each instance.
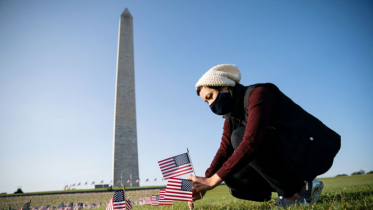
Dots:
(26, 206)
(155, 200)
(179, 190)
(79, 206)
(117, 202)
(175, 166)
(70, 206)
(61, 206)
(163, 201)
(128, 204)
(148, 200)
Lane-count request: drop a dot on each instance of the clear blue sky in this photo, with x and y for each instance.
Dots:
(57, 79)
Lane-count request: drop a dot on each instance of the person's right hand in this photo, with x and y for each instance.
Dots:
(197, 195)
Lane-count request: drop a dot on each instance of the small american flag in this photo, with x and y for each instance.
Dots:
(128, 204)
(155, 200)
(92, 183)
(26, 206)
(102, 182)
(70, 206)
(85, 183)
(148, 200)
(78, 184)
(146, 180)
(128, 181)
(142, 202)
(119, 181)
(179, 189)
(117, 202)
(163, 201)
(60, 207)
(78, 206)
(175, 166)
(137, 180)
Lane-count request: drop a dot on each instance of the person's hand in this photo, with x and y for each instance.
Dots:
(202, 184)
(197, 196)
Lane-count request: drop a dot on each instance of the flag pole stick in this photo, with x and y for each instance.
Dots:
(124, 191)
(192, 167)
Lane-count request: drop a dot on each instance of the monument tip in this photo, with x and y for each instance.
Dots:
(126, 13)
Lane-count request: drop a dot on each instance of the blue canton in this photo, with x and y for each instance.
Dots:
(118, 196)
(186, 185)
(181, 159)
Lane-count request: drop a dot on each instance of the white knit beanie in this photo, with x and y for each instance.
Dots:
(220, 75)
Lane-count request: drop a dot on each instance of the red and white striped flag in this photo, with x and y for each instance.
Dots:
(179, 190)
(148, 200)
(142, 202)
(175, 166)
(163, 201)
(155, 200)
(128, 204)
(117, 202)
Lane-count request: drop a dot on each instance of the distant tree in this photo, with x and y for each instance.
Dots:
(341, 175)
(361, 172)
(19, 190)
(370, 172)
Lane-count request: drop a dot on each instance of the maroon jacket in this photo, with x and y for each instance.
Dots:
(269, 116)
(227, 161)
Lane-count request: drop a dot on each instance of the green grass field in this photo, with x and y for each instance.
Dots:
(350, 192)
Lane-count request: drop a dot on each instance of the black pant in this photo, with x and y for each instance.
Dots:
(267, 173)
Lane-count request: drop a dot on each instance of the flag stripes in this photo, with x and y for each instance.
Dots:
(179, 189)
(117, 202)
(162, 200)
(175, 166)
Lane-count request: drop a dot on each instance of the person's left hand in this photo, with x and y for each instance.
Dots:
(202, 184)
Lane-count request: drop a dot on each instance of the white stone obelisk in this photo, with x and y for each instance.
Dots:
(125, 158)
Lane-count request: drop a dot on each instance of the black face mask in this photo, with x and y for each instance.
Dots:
(222, 104)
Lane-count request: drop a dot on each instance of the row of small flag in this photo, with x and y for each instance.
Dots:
(102, 182)
(62, 206)
(176, 189)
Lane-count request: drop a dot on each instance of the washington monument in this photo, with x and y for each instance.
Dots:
(125, 158)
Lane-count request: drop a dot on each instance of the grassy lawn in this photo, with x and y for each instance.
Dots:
(350, 192)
